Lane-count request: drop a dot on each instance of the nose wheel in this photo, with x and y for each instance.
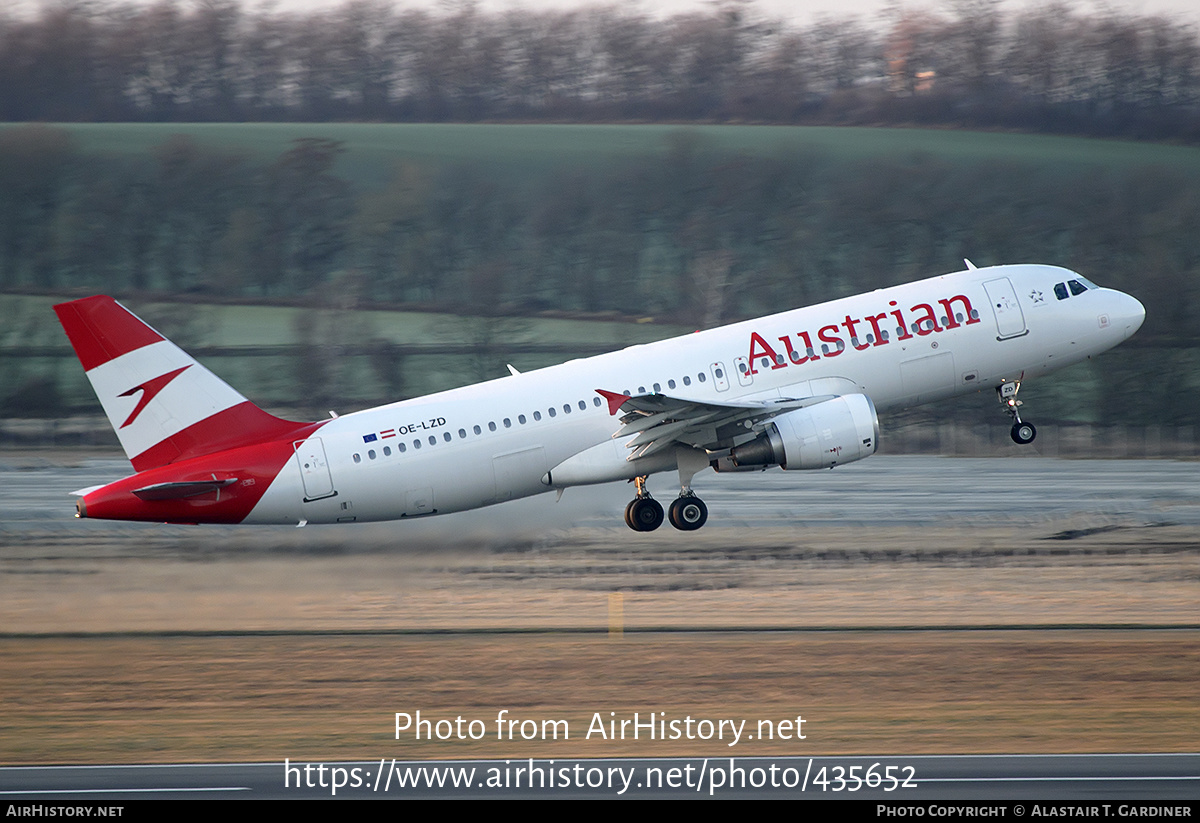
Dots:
(1022, 432)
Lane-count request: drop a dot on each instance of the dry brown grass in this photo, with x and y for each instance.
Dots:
(146, 699)
(155, 697)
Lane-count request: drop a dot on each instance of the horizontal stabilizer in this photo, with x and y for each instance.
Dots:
(176, 491)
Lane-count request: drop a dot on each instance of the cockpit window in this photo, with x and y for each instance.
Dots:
(1060, 291)
(1076, 287)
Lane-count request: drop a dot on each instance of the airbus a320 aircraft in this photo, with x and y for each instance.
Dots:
(798, 390)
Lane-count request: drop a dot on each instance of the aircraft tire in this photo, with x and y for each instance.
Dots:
(644, 514)
(1023, 433)
(687, 513)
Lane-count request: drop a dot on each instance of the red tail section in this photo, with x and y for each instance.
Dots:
(163, 405)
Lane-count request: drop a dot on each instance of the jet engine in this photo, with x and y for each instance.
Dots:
(837, 431)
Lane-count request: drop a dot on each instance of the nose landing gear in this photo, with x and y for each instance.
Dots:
(1022, 433)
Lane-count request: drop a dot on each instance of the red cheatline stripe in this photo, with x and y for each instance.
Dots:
(100, 329)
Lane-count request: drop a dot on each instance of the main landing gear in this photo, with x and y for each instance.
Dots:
(644, 514)
(1022, 432)
(688, 512)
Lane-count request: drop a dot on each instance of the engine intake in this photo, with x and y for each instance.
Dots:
(837, 431)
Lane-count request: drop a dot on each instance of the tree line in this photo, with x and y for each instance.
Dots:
(693, 233)
(1041, 67)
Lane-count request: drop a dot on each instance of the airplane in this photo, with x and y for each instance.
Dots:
(800, 390)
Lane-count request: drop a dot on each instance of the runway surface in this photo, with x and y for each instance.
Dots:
(1086, 779)
(880, 491)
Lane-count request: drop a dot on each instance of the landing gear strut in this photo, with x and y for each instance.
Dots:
(1022, 432)
(643, 514)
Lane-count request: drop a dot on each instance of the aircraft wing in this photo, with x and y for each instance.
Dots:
(658, 421)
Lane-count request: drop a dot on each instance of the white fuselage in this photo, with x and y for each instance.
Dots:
(496, 441)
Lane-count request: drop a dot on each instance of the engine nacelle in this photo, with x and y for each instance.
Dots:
(836, 431)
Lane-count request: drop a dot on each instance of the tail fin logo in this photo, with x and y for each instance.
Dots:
(149, 389)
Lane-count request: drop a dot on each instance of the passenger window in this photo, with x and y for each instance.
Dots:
(491, 425)
(462, 433)
(357, 459)
(478, 430)
(400, 447)
(371, 454)
(582, 406)
(551, 411)
(387, 451)
(595, 401)
(671, 384)
(446, 436)
(566, 408)
(432, 440)
(657, 388)
(537, 415)
(701, 377)
(687, 381)
(1060, 291)
(1076, 287)
(416, 444)
(507, 423)
(521, 419)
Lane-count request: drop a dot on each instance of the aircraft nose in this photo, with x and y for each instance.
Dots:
(1132, 314)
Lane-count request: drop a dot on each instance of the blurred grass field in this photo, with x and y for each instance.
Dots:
(530, 152)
